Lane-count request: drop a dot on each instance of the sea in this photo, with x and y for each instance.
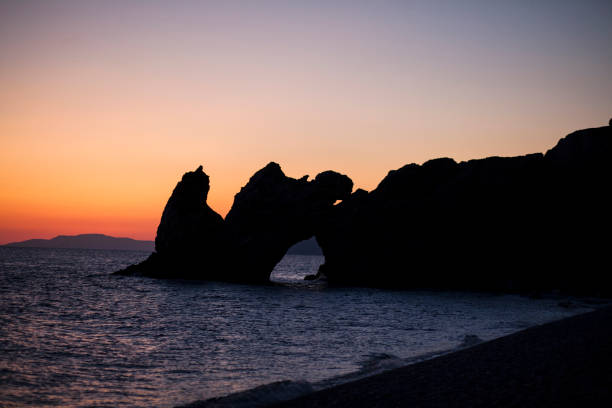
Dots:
(72, 334)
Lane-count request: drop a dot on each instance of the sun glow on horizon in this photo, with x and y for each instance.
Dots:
(106, 104)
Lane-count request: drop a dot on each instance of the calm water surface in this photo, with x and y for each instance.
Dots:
(72, 334)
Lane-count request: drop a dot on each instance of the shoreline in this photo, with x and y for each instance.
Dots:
(567, 362)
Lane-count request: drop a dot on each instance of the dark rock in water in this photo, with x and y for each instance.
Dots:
(514, 224)
(269, 215)
(431, 225)
(530, 224)
(191, 240)
(320, 275)
(188, 224)
(273, 212)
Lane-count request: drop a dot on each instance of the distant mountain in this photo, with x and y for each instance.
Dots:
(307, 247)
(101, 241)
(86, 241)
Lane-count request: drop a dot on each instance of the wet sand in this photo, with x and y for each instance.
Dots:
(567, 363)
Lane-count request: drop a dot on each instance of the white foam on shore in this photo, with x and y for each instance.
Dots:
(280, 391)
(259, 396)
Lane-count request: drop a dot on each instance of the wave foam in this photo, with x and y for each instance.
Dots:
(279, 391)
(259, 396)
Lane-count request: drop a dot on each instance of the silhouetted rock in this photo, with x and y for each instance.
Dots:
(188, 224)
(515, 224)
(273, 212)
(530, 224)
(191, 239)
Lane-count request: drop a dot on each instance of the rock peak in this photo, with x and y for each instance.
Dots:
(272, 165)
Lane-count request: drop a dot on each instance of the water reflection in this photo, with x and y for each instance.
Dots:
(71, 334)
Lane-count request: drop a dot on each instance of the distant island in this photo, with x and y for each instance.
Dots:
(86, 241)
(101, 241)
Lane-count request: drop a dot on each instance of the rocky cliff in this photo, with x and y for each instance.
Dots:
(515, 224)
(530, 223)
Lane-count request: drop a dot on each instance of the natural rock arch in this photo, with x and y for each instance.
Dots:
(271, 213)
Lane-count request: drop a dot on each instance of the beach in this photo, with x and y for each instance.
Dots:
(566, 363)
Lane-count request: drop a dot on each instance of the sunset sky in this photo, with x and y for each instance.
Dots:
(105, 104)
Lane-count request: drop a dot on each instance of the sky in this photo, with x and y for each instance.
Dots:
(105, 104)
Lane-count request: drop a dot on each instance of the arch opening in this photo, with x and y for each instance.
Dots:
(301, 260)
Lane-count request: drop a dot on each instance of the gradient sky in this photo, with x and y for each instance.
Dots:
(104, 105)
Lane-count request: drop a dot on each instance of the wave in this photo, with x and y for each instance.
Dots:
(280, 391)
(470, 340)
(259, 396)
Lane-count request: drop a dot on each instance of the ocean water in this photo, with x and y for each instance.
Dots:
(72, 334)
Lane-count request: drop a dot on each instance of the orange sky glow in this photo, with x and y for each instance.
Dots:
(104, 105)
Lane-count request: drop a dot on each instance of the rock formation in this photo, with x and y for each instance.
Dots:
(273, 212)
(188, 224)
(269, 215)
(513, 224)
(191, 240)
(528, 224)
